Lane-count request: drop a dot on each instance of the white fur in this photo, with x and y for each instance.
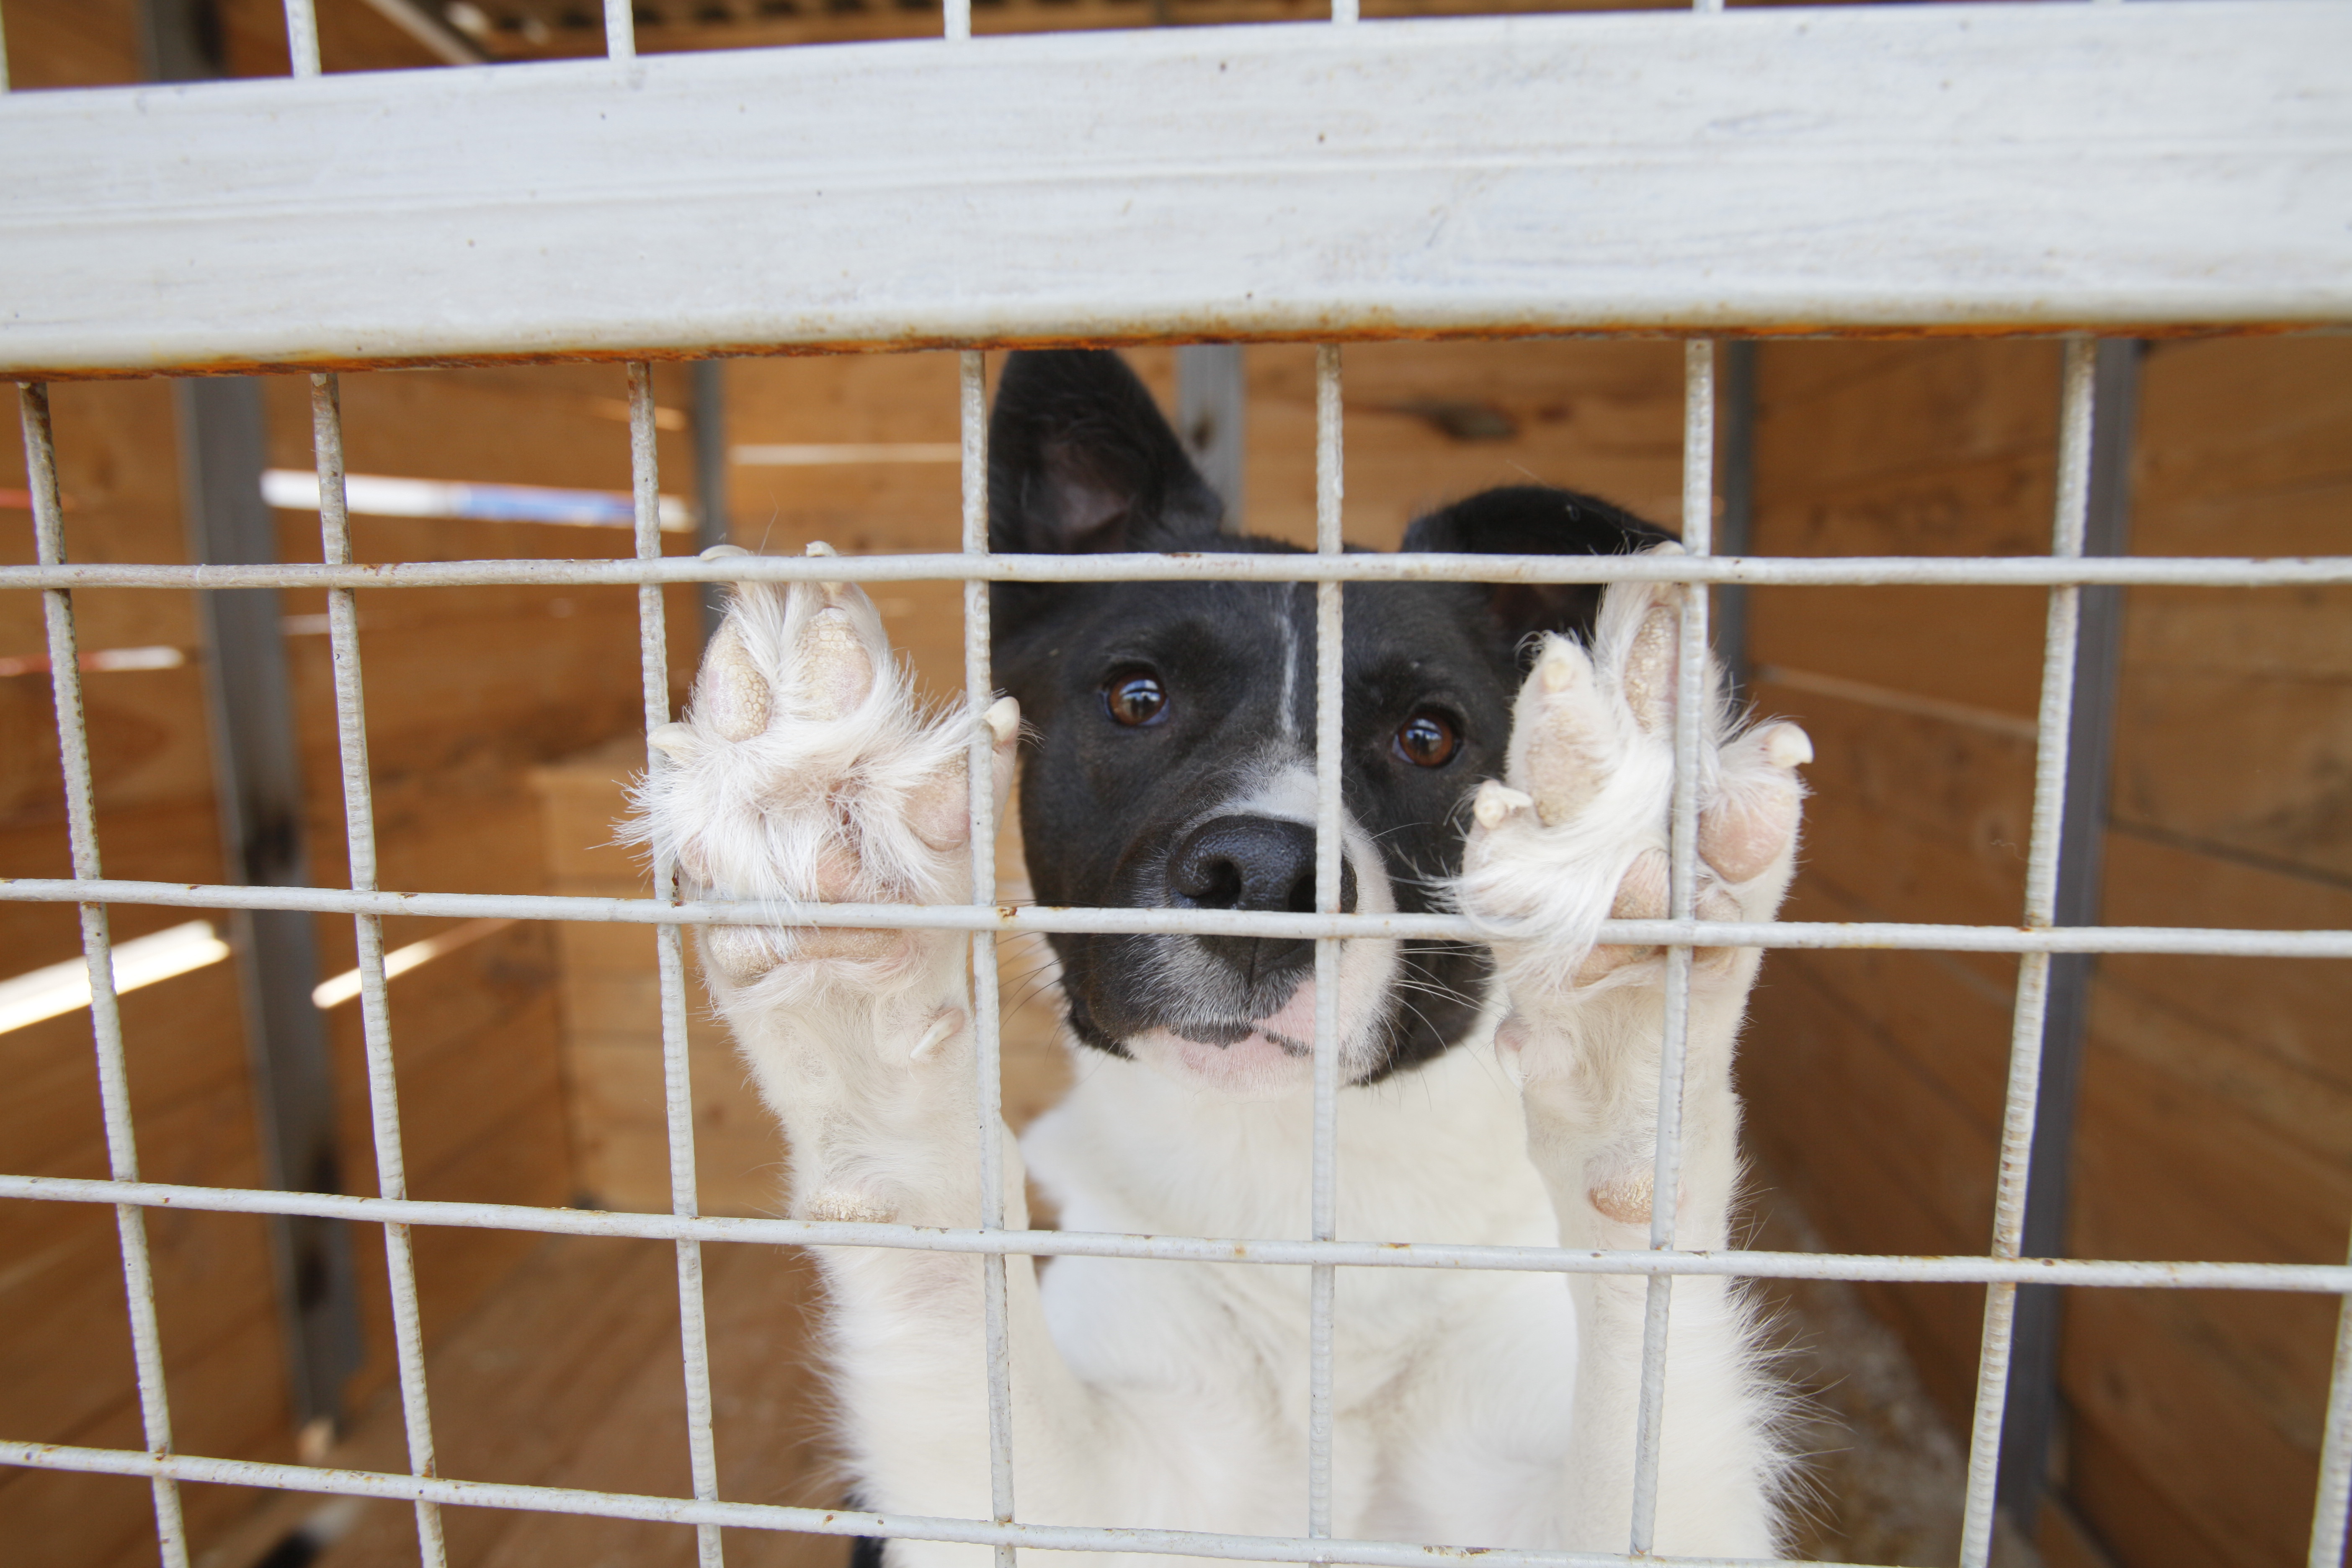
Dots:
(1484, 1409)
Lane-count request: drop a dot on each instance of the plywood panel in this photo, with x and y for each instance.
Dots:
(2241, 1486)
(169, 841)
(2137, 1518)
(1821, 1053)
(182, 1042)
(2243, 448)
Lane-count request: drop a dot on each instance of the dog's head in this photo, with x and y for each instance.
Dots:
(1174, 738)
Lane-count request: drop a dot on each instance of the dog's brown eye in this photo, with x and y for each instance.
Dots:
(1135, 698)
(1427, 741)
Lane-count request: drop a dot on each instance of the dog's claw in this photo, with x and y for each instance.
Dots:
(1496, 802)
(723, 551)
(1787, 746)
(1004, 719)
(672, 739)
(1561, 667)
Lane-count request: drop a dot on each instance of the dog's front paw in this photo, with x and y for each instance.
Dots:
(1578, 831)
(806, 774)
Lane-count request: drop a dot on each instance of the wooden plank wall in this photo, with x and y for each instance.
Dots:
(2213, 1112)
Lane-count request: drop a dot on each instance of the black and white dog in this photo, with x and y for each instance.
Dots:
(1506, 754)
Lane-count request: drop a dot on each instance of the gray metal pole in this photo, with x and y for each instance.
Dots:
(1212, 406)
(712, 518)
(1735, 470)
(2031, 1416)
(257, 776)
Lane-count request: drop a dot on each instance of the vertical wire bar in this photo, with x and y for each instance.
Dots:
(959, 18)
(1346, 12)
(302, 37)
(2077, 407)
(98, 956)
(2328, 1512)
(1691, 698)
(376, 1008)
(620, 30)
(669, 951)
(1329, 488)
(979, 689)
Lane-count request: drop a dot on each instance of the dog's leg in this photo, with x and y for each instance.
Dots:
(805, 772)
(1580, 833)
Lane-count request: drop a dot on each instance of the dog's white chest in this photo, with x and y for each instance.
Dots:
(1454, 1389)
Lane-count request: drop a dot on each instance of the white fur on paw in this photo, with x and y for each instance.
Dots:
(806, 772)
(1578, 832)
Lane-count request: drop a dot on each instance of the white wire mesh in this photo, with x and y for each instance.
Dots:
(678, 1088)
(1330, 658)
(2062, 572)
(979, 689)
(376, 1006)
(106, 1015)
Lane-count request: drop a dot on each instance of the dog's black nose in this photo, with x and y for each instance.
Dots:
(1250, 863)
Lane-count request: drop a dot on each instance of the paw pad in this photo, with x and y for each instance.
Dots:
(731, 696)
(805, 772)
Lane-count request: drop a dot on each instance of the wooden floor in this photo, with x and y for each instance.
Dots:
(569, 1376)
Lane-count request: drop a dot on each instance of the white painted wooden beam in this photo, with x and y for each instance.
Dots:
(1865, 168)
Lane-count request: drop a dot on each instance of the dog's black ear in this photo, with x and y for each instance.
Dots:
(1535, 520)
(1080, 459)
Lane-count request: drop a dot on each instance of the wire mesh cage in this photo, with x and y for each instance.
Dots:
(2118, 279)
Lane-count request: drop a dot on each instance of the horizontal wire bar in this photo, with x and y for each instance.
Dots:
(2216, 941)
(2319, 1278)
(1848, 571)
(821, 1522)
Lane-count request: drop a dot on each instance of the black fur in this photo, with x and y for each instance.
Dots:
(1081, 460)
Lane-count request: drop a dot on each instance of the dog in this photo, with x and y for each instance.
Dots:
(1506, 754)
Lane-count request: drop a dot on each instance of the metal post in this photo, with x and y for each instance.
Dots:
(710, 514)
(2077, 405)
(987, 1017)
(1212, 404)
(257, 778)
(181, 40)
(2032, 1405)
(1682, 844)
(98, 957)
(375, 1004)
(1330, 491)
(669, 958)
(1734, 529)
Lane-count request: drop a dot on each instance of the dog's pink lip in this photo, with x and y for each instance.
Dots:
(1292, 1024)
(1290, 1027)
